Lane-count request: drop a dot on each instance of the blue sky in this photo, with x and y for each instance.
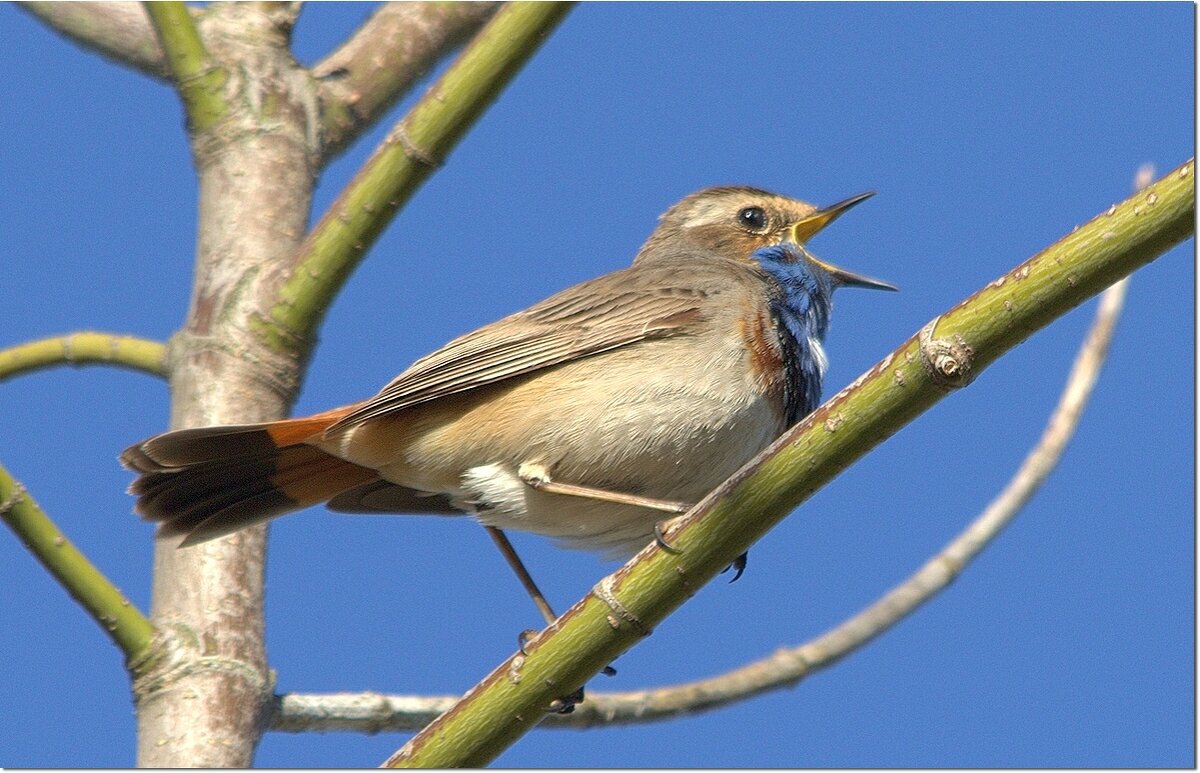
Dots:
(988, 131)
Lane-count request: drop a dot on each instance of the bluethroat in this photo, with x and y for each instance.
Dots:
(586, 417)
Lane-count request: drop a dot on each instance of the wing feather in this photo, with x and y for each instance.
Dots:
(603, 314)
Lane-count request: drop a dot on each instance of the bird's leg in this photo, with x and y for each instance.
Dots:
(514, 561)
(565, 704)
(537, 477)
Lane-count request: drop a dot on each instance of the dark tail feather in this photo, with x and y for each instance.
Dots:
(213, 481)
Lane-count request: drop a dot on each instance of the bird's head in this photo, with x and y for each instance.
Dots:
(737, 222)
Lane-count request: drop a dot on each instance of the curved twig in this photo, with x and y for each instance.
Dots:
(382, 60)
(120, 619)
(372, 712)
(119, 31)
(84, 348)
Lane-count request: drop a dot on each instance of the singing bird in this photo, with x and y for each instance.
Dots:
(584, 418)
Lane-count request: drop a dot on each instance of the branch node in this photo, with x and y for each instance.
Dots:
(175, 654)
(948, 363)
(275, 370)
(951, 565)
(604, 591)
(799, 663)
(203, 72)
(420, 155)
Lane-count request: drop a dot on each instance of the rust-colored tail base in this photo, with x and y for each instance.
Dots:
(212, 481)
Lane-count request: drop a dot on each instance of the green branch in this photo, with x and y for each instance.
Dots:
(85, 348)
(410, 153)
(120, 619)
(947, 354)
(200, 84)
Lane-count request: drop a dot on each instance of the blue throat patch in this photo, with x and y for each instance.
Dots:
(801, 308)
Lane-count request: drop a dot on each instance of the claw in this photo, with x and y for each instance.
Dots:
(662, 541)
(738, 566)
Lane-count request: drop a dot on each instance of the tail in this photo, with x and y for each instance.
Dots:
(212, 481)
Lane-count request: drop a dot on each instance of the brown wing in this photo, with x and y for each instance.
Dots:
(615, 310)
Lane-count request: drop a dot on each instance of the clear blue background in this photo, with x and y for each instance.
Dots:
(988, 130)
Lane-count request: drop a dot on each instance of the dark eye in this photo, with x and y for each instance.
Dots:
(752, 218)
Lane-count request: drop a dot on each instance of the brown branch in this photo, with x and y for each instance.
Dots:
(389, 53)
(115, 30)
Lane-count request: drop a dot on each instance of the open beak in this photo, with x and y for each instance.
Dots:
(810, 226)
(805, 229)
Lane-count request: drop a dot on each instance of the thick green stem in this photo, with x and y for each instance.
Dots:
(946, 355)
(120, 619)
(84, 348)
(411, 152)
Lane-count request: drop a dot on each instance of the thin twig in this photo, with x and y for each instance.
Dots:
(120, 619)
(84, 348)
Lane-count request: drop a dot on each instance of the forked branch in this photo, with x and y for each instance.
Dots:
(200, 82)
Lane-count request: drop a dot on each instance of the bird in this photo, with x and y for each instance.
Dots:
(587, 417)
